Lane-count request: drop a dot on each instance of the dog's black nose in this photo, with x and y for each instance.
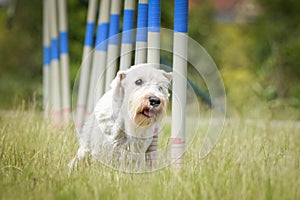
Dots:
(154, 101)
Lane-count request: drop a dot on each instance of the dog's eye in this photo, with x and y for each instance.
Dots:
(160, 88)
(139, 82)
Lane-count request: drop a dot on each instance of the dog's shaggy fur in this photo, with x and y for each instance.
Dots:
(121, 129)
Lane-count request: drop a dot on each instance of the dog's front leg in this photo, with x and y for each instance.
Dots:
(118, 133)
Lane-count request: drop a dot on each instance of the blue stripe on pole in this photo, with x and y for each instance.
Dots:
(141, 35)
(102, 35)
(181, 16)
(127, 37)
(128, 20)
(154, 16)
(47, 55)
(142, 15)
(63, 36)
(114, 29)
(142, 23)
(89, 34)
(54, 49)
(128, 26)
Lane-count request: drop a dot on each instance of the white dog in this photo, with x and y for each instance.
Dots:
(121, 129)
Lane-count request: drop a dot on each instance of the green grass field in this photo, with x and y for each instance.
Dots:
(252, 160)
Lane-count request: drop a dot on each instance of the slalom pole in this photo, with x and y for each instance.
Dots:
(99, 59)
(153, 56)
(86, 62)
(64, 60)
(154, 32)
(179, 81)
(11, 12)
(113, 43)
(55, 80)
(46, 61)
(127, 35)
(141, 32)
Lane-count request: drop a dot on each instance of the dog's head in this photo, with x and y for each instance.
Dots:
(141, 92)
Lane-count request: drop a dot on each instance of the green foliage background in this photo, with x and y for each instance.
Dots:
(254, 158)
(259, 61)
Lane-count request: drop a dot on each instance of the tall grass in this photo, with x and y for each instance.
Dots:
(252, 160)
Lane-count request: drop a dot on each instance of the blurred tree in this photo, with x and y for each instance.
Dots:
(277, 46)
(21, 50)
(201, 24)
(20, 53)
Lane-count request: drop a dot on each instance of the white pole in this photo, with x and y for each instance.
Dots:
(86, 61)
(127, 35)
(141, 33)
(179, 80)
(99, 58)
(64, 59)
(113, 43)
(55, 81)
(153, 57)
(154, 32)
(47, 59)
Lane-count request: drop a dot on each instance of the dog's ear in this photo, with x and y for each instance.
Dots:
(117, 80)
(118, 92)
(168, 75)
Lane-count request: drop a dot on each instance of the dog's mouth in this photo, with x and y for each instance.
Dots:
(148, 112)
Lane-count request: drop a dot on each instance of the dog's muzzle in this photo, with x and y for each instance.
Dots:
(152, 107)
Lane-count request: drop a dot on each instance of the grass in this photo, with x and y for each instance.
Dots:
(251, 161)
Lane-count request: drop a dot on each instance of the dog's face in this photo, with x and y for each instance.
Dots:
(142, 92)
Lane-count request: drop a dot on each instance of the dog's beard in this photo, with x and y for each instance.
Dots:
(144, 115)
